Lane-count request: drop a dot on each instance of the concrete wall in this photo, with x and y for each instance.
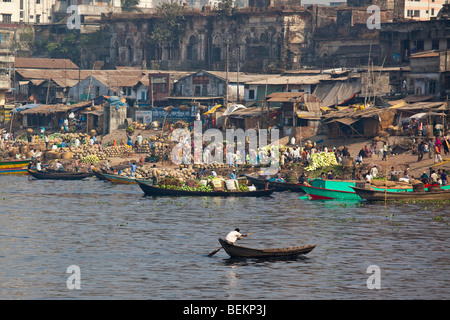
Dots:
(113, 118)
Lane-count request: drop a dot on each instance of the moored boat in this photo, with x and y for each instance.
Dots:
(118, 179)
(320, 189)
(278, 186)
(59, 175)
(99, 174)
(151, 190)
(14, 171)
(14, 164)
(378, 195)
(243, 252)
(317, 193)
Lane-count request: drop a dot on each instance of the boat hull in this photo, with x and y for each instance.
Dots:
(341, 189)
(235, 251)
(150, 190)
(316, 193)
(14, 171)
(377, 195)
(14, 164)
(278, 186)
(114, 178)
(64, 175)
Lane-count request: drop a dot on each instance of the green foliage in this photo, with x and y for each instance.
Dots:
(226, 9)
(170, 24)
(130, 5)
(67, 48)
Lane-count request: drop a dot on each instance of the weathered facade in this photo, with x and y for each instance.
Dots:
(253, 39)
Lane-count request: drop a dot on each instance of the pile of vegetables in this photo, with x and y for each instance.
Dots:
(90, 159)
(187, 188)
(321, 160)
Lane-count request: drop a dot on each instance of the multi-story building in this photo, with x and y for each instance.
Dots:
(26, 11)
(52, 11)
(423, 9)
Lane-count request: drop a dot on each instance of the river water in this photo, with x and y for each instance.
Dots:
(128, 246)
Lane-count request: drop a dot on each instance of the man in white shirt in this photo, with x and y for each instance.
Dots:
(374, 171)
(434, 177)
(233, 236)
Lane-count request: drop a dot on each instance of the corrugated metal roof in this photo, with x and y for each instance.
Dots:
(243, 77)
(44, 63)
(284, 96)
(249, 112)
(291, 80)
(44, 109)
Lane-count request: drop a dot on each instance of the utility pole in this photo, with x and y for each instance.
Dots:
(226, 86)
(237, 77)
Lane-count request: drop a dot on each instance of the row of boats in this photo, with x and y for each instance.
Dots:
(356, 190)
(315, 189)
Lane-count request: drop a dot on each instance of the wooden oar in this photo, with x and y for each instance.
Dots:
(217, 250)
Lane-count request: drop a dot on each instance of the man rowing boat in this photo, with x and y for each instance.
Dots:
(231, 237)
(235, 235)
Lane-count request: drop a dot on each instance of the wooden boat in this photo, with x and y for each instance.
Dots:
(151, 190)
(14, 164)
(118, 179)
(278, 186)
(321, 189)
(99, 174)
(59, 175)
(18, 170)
(378, 195)
(316, 193)
(114, 178)
(244, 252)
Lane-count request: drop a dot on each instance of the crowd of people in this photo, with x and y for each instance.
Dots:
(434, 149)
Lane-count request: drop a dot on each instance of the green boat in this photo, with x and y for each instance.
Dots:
(321, 189)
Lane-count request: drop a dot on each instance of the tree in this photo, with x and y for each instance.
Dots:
(226, 8)
(130, 5)
(169, 25)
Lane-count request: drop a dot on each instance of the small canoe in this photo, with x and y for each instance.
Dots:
(151, 190)
(377, 195)
(244, 252)
(278, 186)
(59, 175)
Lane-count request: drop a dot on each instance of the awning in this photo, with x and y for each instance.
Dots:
(213, 109)
(25, 107)
(398, 105)
(422, 115)
(308, 115)
(346, 121)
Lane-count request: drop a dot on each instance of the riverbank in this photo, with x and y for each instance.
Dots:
(404, 161)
